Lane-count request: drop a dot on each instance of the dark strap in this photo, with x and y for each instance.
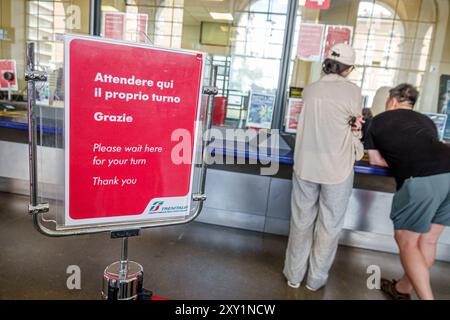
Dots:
(388, 287)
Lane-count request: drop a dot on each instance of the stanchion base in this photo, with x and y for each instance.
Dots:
(128, 287)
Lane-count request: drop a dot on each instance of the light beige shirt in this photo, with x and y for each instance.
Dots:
(326, 148)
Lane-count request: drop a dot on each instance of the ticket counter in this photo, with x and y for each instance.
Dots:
(238, 196)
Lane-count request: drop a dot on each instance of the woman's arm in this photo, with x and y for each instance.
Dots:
(376, 159)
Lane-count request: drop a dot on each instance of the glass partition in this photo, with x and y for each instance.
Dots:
(40, 21)
(396, 41)
(244, 39)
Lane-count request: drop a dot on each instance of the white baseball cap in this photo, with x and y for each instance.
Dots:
(343, 53)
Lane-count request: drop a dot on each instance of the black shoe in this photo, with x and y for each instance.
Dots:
(388, 287)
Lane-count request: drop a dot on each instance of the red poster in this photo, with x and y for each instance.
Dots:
(136, 27)
(336, 35)
(129, 110)
(142, 28)
(114, 25)
(294, 111)
(318, 4)
(8, 66)
(310, 42)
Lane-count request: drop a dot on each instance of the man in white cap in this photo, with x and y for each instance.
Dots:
(327, 146)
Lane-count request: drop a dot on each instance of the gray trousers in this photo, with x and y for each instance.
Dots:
(318, 212)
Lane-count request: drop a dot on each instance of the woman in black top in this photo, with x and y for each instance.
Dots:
(407, 142)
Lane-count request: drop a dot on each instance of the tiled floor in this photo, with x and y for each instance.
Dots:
(195, 261)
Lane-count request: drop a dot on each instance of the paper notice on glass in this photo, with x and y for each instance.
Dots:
(336, 35)
(260, 111)
(310, 42)
(114, 25)
(136, 26)
(295, 108)
(440, 120)
(8, 66)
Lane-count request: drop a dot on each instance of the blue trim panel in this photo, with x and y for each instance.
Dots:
(287, 158)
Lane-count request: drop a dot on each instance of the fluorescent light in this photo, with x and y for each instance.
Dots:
(221, 16)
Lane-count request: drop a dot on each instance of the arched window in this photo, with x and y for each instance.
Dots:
(169, 24)
(257, 46)
(393, 44)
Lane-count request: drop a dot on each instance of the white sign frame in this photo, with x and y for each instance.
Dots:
(67, 223)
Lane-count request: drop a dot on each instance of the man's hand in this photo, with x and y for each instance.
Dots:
(376, 159)
(358, 124)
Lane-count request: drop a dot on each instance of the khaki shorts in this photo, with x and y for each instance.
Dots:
(422, 202)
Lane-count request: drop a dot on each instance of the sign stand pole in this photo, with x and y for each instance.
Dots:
(32, 76)
(9, 91)
(123, 280)
(124, 258)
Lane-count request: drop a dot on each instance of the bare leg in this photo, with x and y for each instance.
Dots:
(427, 246)
(414, 263)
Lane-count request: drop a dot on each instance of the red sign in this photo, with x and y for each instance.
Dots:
(310, 42)
(114, 25)
(131, 124)
(336, 35)
(293, 116)
(8, 66)
(129, 26)
(136, 27)
(318, 4)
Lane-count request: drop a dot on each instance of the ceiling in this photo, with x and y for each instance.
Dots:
(196, 11)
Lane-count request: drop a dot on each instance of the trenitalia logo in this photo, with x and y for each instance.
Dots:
(156, 206)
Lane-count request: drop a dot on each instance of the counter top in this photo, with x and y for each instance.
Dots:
(285, 156)
(19, 120)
